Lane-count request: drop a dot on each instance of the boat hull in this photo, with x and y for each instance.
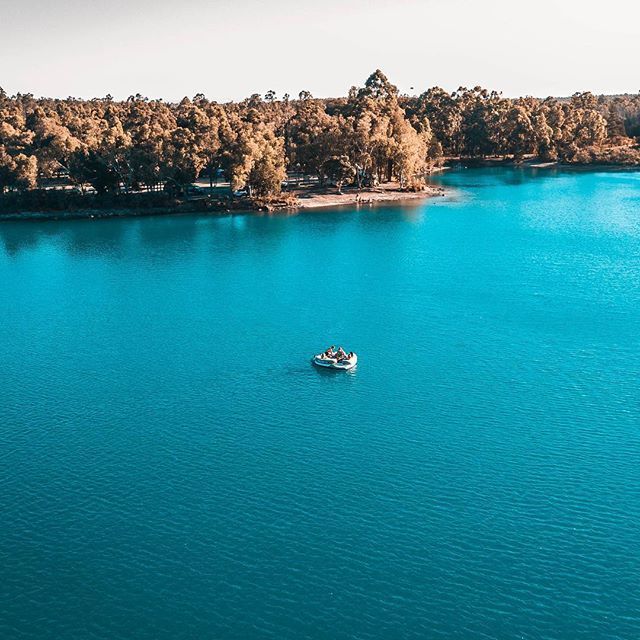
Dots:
(332, 363)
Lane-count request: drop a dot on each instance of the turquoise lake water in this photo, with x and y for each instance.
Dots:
(172, 466)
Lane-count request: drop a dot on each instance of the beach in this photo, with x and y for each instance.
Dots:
(388, 193)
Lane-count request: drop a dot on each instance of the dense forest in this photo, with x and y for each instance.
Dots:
(373, 135)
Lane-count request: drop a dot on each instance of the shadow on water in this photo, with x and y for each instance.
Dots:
(174, 234)
(170, 234)
(165, 233)
(77, 237)
(19, 237)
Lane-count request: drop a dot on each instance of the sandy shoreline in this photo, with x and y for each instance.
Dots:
(381, 195)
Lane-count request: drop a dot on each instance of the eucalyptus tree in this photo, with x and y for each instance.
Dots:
(382, 142)
(313, 136)
(254, 155)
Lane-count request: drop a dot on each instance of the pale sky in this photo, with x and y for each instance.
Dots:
(229, 50)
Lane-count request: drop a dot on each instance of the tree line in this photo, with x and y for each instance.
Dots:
(372, 135)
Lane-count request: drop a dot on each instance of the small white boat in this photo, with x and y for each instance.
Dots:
(322, 360)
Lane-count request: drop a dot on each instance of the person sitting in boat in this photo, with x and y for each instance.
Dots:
(329, 353)
(340, 354)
